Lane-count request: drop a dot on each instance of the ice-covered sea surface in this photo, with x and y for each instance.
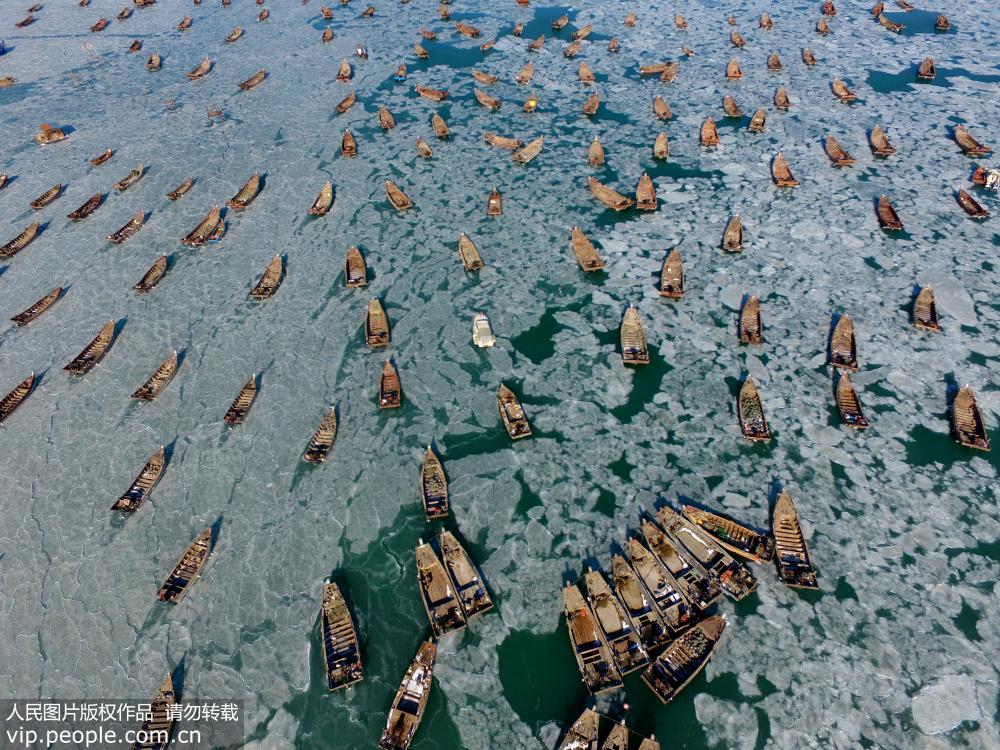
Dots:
(898, 650)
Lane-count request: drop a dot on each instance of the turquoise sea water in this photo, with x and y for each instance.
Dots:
(898, 650)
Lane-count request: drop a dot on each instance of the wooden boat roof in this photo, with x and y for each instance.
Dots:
(781, 171)
(836, 153)
(584, 251)
(709, 133)
(585, 73)
(593, 101)
(399, 200)
(730, 107)
(887, 215)
(733, 234)
(733, 70)
(385, 118)
(758, 121)
(808, 57)
(661, 109)
(324, 200)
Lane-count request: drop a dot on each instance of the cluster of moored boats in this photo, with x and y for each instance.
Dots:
(652, 612)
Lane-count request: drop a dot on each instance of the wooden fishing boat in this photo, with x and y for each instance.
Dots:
(731, 20)
(584, 251)
(439, 126)
(245, 195)
(529, 151)
(968, 144)
(709, 134)
(877, 8)
(102, 157)
(91, 205)
(159, 380)
(525, 74)
(736, 39)
(48, 134)
(26, 21)
(649, 743)
(518, 29)
(904, 5)
(346, 103)
(271, 279)
(410, 701)
(572, 50)
(47, 197)
(322, 439)
(32, 312)
(661, 146)
(465, 577)
(942, 23)
(467, 251)
(732, 237)
(614, 45)
(684, 659)
(93, 352)
(490, 102)
(645, 192)
(688, 52)
(512, 414)
(423, 149)
(206, 228)
(781, 174)
(808, 57)
(484, 78)
(583, 32)
(4, 179)
(887, 216)
(536, 45)
(610, 198)
(791, 554)
(671, 608)
(130, 179)
(530, 104)
(670, 578)
(822, 27)
(750, 328)
(368, 12)
(751, 413)
(143, 485)
(680, 22)
(385, 119)
(157, 718)
(704, 554)
(669, 72)
(926, 70)
(494, 203)
(152, 277)
(757, 122)
(376, 325)
(623, 641)
(264, 15)
(234, 35)
(633, 339)
(501, 142)
(7, 82)
(841, 91)
(890, 25)
(10, 402)
(355, 271)
(730, 107)
(672, 276)
(465, 30)
(970, 205)
(397, 198)
(101, 25)
(595, 153)
(201, 70)
(348, 145)
(253, 81)
(590, 106)
(238, 410)
(186, 569)
(344, 71)
(735, 537)
(765, 21)
(341, 655)
(324, 201)
(440, 603)
(843, 350)
(184, 24)
(560, 23)
(433, 487)
(327, 35)
(420, 51)
(132, 226)
(435, 95)
(629, 20)
(654, 69)
(593, 657)
(585, 74)
(583, 734)
(925, 314)
(733, 71)
(781, 100)
(880, 142)
(979, 175)
(837, 154)
(661, 109)
(390, 391)
(154, 62)
(849, 404)
(430, 36)
(642, 613)
(967, 425)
